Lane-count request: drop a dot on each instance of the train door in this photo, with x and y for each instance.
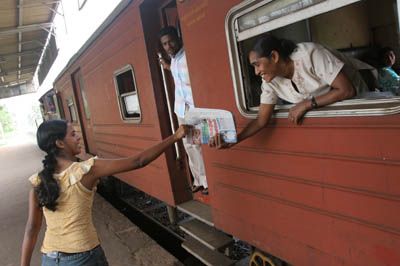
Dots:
(83, 112)
(154, 16)
(167, 15)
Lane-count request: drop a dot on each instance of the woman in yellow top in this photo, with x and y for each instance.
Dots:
(63, 192)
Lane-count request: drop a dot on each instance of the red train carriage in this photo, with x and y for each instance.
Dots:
(323, 193)
(112, 97)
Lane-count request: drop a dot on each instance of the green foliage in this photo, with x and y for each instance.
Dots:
(6, 120)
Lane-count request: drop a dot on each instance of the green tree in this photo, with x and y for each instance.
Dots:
(6, 120)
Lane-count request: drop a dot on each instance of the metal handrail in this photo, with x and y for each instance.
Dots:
(168, 105)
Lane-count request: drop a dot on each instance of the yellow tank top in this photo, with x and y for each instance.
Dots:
(70, 228)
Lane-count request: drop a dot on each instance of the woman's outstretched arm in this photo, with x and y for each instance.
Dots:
(32, 229)
(265, 112)
(106, 167)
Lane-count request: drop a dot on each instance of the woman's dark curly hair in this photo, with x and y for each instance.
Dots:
(47, 134)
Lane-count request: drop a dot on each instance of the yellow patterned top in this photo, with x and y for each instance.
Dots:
(70, 228)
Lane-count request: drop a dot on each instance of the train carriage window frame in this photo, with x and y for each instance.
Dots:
(72, 110)
(127, 97)
(82, 87)
(249, 19)
(50, 103)
(59, 106)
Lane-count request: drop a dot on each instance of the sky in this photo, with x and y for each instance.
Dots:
(72, 30)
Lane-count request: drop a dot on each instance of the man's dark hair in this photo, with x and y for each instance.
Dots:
(168, 30)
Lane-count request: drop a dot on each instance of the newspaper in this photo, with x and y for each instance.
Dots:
(208, 123)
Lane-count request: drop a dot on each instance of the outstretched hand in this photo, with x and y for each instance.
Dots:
(182, 131)
(218, 142)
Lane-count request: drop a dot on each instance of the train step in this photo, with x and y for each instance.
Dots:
(205, 255)
(205, 234)
(198, 210)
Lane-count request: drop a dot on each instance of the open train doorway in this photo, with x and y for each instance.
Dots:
(173, 53)
(83, 112)
(156, 15)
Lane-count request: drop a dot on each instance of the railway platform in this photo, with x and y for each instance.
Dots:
(122, 241)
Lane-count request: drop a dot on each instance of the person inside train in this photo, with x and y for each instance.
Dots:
(388, 79)
(172, 45)
(63, 193)
(306, 74)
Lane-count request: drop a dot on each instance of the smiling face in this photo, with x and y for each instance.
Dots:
(71, 142)
(265, 67)
(170, 44)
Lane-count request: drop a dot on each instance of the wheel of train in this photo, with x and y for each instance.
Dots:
(260, 259)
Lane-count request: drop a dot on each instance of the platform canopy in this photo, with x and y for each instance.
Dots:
(27, 44)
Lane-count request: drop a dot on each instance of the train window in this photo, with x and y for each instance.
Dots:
(50, 103)
(128, 99)
(71, 108)
(84, 97)
(59, 108)
(373, 23)
(271, 11)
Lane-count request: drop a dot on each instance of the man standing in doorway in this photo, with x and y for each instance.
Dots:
(172, 45)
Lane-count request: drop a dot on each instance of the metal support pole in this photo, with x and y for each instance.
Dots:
(178, 156)
(172, 214)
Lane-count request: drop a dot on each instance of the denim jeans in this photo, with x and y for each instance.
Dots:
(94, 257)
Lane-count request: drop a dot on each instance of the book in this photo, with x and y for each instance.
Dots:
(208, 123)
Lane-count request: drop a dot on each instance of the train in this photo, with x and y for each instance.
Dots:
(326, 192)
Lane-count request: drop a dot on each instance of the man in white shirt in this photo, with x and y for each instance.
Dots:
(172, 45)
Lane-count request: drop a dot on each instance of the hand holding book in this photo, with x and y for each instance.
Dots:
(209, 124)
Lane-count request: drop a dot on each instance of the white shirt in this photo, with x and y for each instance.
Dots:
(183, 90)
(315, 68)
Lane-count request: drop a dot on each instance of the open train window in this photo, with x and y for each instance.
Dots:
(357, 28)
(128, 99)
(59, 107)
(50, 103)
(71, 109)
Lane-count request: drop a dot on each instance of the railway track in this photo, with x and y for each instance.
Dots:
(151, 216)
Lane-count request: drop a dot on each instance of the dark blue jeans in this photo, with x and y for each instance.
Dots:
(94, 257)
